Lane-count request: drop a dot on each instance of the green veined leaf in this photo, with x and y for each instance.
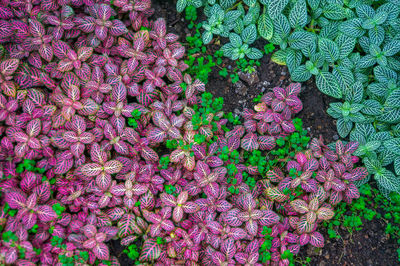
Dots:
(391, 48)
(180, 5)
(300, 74)
(235, 40)
(281, 26)
(345, 78)
(366, 61)
(207, 37)
(225, 4)
(328, 84)
(314, 4)
(387, 179)
(330, 49)
(279, 57)
(397, 165)
(390, 115)
(365, 11)
(249, 34)
(352, 28)
(346, 45)
(384, 74)
(334, 12)
(231, 16)
(254, 53)
(275, 7)
(376, 35)
(343, 127)
(265, 27)
(372, 107)
(300, 39)
(393, 145)
(394, 99)
(330, 31)
(250, 2)
(298, 14)
(372, 165)
(354, 94)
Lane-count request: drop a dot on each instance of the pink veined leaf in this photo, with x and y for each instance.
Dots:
(268, 218)
(46, 213)
(91, 169)
(231, 217)
(60, 49)
(168, 200)
(150, 250)
(118, 28)
(8, 67)
(101, 251)
(63, 166)
(113, 167)
(190, 207)
(325, 213)
(249, 142)
(317, 240)
(299, 206)
(126, 225)
(15, 200)
(228, 247)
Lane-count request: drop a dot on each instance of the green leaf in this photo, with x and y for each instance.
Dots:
(300, 39)
(384, 74)
(372, 107)
(231, 16)
(394, 99)
(343, 127)
(279, 57)
(393, 145)
(249, 34)
(207, 37)
(390, 115)
(314, 4)
(281, 26)
(345, 78)
(298, 15)
(346, 45)
(180, 5)
(300, 74)
(265, 27)
(366, 61)
(387, 179)
(372, 165)
(235, 40)
(354, 94)
(376, 35)
(227, 49)
(334, 12)
(352, 28)
(254, 54)
(397, 165)
(328, 84)
(275, 7)
(391, 48)
(365, 11)
(329, 49)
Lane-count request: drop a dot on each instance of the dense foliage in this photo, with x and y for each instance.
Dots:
(351, 47)
(104, 137)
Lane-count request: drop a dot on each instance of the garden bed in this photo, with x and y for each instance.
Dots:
(369, 246)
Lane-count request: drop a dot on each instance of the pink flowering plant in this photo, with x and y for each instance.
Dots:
(104, 136)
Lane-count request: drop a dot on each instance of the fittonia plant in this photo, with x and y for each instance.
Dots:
(115, 142)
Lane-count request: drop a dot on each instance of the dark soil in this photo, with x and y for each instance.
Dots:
(369, 246)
